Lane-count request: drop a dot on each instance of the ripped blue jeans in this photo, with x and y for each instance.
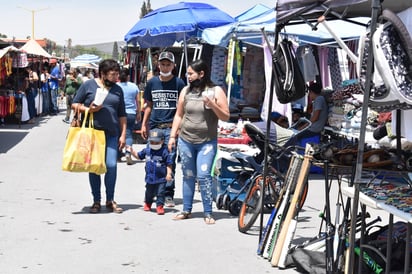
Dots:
(197, 161)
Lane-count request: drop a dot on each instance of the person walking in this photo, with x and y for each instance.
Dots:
(31, 92)
(161, 95)
(201, 105)
(45, 89)
(158, 170)
(55, 78)
(70, 87)
(109, 116)
(131, 99)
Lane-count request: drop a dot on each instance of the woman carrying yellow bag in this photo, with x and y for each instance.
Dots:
(104, 99)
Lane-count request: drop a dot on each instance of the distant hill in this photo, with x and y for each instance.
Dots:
(106, 47)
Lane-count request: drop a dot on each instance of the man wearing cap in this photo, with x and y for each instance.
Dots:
(161, 96)
(55, 77)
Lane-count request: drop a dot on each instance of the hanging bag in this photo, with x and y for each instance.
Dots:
(289, 82)
(85, 149)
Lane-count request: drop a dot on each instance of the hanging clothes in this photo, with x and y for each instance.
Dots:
(323, 65)
(218, 66)
(307, 63)
(334, 68)
(353, 46)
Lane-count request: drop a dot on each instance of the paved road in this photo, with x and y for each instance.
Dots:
(45, 226)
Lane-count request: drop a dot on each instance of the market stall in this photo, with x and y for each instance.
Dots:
(296, 11)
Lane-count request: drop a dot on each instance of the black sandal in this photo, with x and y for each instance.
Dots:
(209, 220)
(95, 208)
(182, 216)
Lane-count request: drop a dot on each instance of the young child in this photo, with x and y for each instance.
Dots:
(158, 170)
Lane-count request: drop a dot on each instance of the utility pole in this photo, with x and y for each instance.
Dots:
(32, 18)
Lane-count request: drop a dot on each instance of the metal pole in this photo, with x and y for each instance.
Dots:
(32, 18)
(375, 5)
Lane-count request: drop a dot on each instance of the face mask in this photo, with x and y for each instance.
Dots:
(195, 84)
(155, 147)
(165, 74)
(108, 83)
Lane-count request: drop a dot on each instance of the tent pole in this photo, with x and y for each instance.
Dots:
(231, 61)
(268, 122)
(375, 6)
(186, 56)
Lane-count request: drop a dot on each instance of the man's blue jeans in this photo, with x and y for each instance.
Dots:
(131, 118)
(111, 173)
(197, 161)
(54, 108)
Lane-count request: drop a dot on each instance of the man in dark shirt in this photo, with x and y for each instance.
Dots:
(161, 95)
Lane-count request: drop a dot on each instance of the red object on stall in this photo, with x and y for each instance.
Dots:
(243, 139)
(3, 106)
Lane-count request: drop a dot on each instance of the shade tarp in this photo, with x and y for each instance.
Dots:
(175, 23)
(33, 48)
(289, 9)
(85, 61)
(247, 27)
(320, 36)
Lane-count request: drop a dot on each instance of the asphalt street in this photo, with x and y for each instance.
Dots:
(45, 226)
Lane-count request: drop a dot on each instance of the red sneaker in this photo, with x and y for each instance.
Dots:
(160, 210)
(147, 207)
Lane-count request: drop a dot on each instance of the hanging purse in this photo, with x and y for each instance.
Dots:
(85, 148)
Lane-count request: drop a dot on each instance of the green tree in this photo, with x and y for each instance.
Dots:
(145, 9)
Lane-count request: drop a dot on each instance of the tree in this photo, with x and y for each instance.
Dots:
(115, 53)
(145, 9)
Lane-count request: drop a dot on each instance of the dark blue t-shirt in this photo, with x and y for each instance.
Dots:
(164, 96)
(107, 118)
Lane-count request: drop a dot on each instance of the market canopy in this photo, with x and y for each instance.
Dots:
(5, 50)
(297, 9)
(247, 27)
(175, 23)
(85, 61)
(305, 34)
(33, 48)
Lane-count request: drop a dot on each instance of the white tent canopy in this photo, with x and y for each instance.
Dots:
(85, 61)
(7, 49)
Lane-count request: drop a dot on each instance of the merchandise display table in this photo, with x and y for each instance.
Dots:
(397, 209)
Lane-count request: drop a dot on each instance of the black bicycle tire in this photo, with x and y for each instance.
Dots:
(253, 198)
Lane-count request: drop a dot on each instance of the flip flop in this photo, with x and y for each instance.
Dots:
(182, 215)
(209, 220)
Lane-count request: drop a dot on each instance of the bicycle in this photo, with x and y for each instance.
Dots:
(274, 185)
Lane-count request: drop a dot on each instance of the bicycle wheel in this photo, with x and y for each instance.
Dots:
(251, 206)
(272, 191)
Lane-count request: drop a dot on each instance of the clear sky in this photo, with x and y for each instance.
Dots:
(89, 21)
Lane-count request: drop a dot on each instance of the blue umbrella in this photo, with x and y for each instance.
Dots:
(175, 23)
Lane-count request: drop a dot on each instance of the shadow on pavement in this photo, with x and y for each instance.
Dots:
(9, 139)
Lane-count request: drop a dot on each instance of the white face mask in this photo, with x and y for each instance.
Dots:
(165, 74)
(155, 147)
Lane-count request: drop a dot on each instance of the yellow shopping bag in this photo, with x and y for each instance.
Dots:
(85, 149)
